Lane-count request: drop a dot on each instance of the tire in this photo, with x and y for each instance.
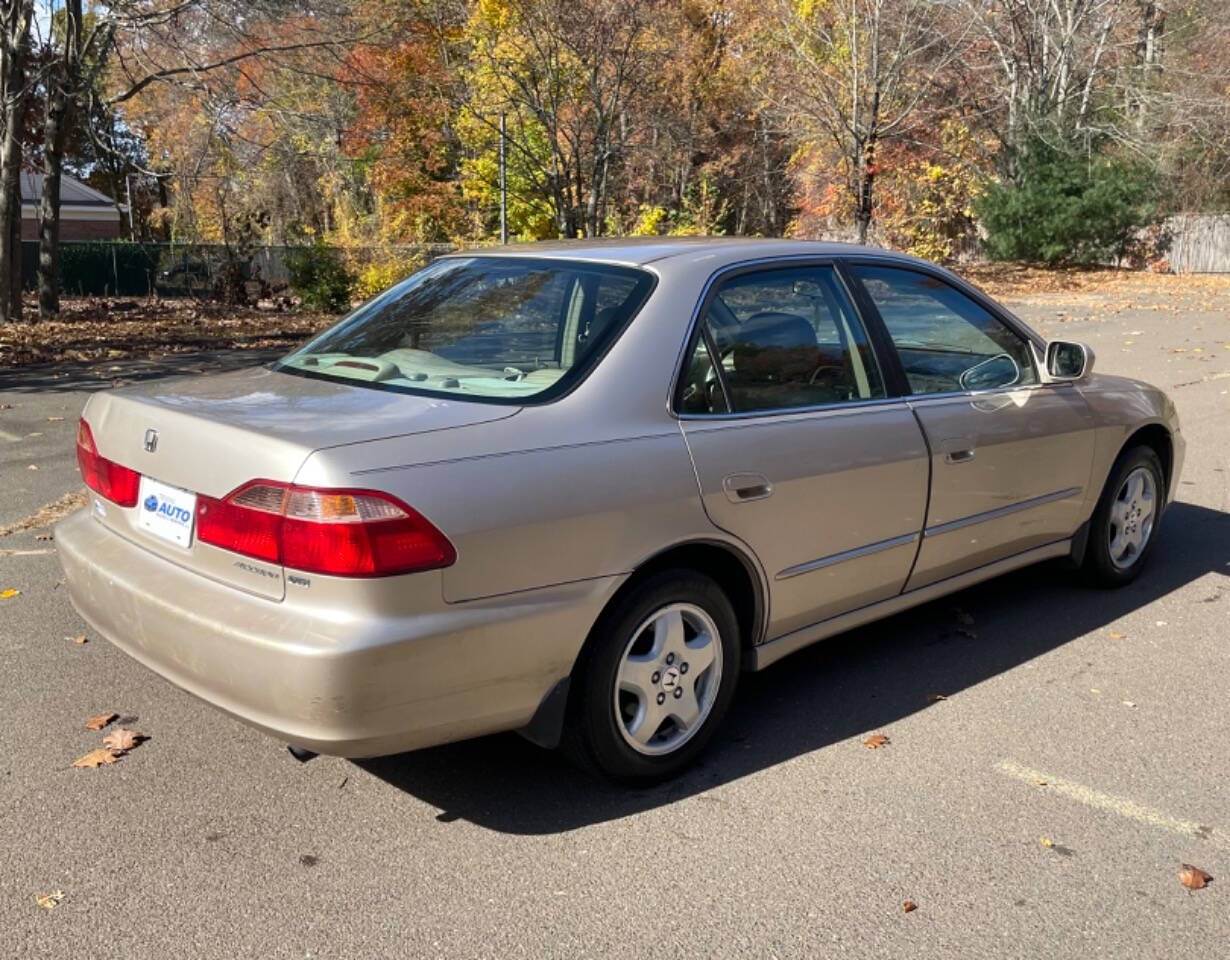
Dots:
(624, 717)
(1125, 523)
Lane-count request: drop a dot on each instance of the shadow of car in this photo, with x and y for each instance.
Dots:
(853, 683)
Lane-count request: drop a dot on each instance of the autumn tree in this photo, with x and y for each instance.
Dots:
(855, 76)
(564, 73)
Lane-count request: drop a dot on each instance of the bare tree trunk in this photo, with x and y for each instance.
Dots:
(865, 197)
(14, 44)
(55, 132)
(62, 91)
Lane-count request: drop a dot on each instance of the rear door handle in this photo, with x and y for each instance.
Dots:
(745, 487)
(957, 449)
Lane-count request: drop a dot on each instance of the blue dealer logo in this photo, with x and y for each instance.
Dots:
(165, 509)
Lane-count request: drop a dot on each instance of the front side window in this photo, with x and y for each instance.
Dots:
(781, 338)
(501, 329)
(946, 341)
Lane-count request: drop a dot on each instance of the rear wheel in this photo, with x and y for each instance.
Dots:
(656, 679)
(1124, 525)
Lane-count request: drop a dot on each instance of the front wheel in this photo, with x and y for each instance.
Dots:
(656, 679)
(1125, 523)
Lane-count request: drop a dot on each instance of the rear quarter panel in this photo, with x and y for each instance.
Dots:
(544, 515)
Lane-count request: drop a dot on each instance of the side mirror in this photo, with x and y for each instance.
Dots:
(1068, 360)
(995, 372)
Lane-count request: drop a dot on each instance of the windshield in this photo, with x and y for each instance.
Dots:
(502, 329)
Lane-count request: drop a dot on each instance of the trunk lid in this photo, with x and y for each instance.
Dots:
(209, 435)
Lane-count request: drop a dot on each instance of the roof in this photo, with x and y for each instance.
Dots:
(639, 251)
(72, 191)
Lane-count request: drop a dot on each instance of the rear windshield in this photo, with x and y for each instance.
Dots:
(499, 329)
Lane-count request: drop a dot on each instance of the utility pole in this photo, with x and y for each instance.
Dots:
(503, 186)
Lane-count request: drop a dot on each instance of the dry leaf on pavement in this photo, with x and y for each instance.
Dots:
(1193, 877)
(875, 741)
(1117, 636)
(9, 592)
(97, 758)
(1047, 842)
(79, 639)
(123, 739)
(48, 901)
(100, 720)
(909, 906)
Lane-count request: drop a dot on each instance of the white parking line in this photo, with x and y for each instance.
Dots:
(1125, 808)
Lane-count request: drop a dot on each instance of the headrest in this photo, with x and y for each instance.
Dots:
(772, 329)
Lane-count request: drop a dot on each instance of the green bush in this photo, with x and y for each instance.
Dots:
(114, 267)
(320, 277)
(1063, 207)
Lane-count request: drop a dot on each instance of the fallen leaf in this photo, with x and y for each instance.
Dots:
(48, 901)
(909, 906)
(8, 593)
(1193, 877)
(97, 758)
(80, 639)
(98, 721)
(54, 419)
(935, 697)
(875, 741)
(1117, 636)
(1047, 842)
(1039, 783)
(123, 739)
(1129, 703)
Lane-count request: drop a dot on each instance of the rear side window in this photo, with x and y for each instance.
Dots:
(499, 329)
(945, 340)
(778, 339)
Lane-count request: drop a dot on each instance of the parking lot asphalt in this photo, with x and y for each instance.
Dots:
(1044, 807)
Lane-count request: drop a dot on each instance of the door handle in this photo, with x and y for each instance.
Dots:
(745, 487)
(957, 449)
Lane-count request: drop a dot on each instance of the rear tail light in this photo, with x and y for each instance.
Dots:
(345, 533)
(105, 477)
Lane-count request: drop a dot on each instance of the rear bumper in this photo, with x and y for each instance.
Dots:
(339, 684)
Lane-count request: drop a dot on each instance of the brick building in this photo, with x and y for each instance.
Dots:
(85, 214)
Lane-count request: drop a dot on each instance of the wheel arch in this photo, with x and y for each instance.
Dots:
(734, 570)
(1155, 436)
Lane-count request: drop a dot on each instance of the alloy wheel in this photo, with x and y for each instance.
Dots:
(1131, 517)
(668, 679)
